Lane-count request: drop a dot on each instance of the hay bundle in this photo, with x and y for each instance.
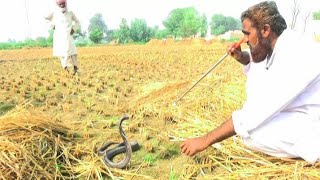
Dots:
(35, 146)
(30, 145)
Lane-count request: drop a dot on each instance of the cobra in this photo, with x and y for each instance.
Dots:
(124, 147)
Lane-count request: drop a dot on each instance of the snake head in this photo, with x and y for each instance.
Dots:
(123, 118)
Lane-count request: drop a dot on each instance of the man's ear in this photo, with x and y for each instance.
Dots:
(266, 30)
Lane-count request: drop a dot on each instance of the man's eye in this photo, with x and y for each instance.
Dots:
(245, 32)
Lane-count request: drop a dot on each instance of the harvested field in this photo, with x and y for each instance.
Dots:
(52, 123)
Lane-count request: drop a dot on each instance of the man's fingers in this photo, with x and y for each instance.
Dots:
(231, 50)
(183, 149)
(187, 152)
(231, 47)
(191, 153)
(182, 144)
(187, 148)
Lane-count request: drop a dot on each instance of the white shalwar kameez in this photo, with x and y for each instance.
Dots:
(281, 116)
(63, 43)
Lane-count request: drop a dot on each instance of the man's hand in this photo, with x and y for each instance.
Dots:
(71, 32)
(241, 56)
(192, 146)
(234, 52)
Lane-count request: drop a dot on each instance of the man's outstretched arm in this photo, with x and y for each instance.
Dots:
(192, 146)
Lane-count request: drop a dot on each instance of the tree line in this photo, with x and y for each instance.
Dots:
(180, 23)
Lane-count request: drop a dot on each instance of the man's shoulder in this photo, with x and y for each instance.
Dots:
(70, 12)
(291, 38)
(296, 35)
(296, 46)
(289, 34)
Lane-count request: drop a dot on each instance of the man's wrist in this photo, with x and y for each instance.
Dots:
(244, 58)
(208, 139)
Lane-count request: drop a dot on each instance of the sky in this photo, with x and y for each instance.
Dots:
(25, 18)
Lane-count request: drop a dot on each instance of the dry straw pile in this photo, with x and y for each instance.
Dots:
(35, 146)
(31, 145)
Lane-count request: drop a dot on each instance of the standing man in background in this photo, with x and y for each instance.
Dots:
(64, 23)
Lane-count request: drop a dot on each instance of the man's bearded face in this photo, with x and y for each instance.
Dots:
(261, 49)
(62, 5)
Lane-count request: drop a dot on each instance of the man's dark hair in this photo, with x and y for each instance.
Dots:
(265, 13)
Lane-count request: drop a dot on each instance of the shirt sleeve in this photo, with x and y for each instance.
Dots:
(76, 23)
(261, 108)
(49, 20)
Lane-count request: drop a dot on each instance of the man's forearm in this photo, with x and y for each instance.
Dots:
(224, 131)
(244, 58)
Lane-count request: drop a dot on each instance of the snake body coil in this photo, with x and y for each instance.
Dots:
(124, 147)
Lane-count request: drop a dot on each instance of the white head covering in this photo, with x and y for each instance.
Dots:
(62, 9)
(61, 1)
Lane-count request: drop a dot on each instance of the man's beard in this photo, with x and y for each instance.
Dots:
(260, 51)
(63, 10)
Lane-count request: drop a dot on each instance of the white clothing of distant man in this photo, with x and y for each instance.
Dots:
(64, 23)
